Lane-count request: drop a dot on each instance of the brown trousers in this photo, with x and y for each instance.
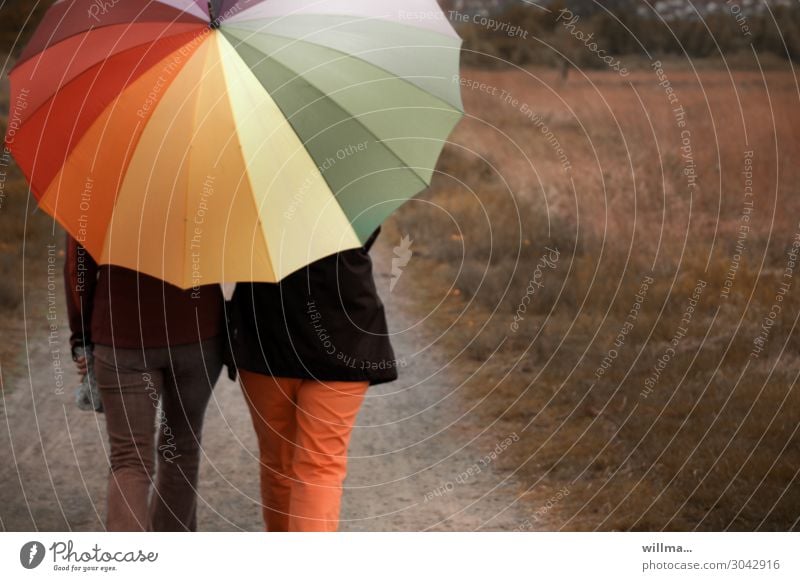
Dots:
(132, 383)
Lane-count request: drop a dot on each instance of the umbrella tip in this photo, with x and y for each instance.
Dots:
(214, 21)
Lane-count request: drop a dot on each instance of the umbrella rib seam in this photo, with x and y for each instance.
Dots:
(134, 145)
(379, 141)
(186, 265)
(247, 172)
(347, 55)
(453, 36)
(103, 64)
(200, 24)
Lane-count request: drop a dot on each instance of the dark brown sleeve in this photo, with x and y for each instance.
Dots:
(80, 280)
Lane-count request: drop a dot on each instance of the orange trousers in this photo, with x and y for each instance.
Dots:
(303, 429)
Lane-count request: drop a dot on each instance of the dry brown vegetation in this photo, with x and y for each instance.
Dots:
(25, 233)
(619, 27)
(715, 444)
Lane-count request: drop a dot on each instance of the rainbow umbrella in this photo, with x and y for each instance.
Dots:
(238, 141)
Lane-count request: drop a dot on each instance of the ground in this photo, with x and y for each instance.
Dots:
(421, 458)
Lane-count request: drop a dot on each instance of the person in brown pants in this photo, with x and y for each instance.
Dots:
(153, 344)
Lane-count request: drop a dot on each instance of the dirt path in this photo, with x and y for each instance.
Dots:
(418, 456)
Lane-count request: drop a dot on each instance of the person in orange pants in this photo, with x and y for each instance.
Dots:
(307, 349)
(303, 429)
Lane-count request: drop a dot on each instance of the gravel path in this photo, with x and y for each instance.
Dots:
(418, 456)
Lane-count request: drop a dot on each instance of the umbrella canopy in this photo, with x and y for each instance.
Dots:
(239, 144)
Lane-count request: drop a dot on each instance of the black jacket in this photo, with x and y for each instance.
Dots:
(322, 322)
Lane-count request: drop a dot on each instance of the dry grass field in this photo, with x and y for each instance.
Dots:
(642, 418)
(652, 408)
(25, 233)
